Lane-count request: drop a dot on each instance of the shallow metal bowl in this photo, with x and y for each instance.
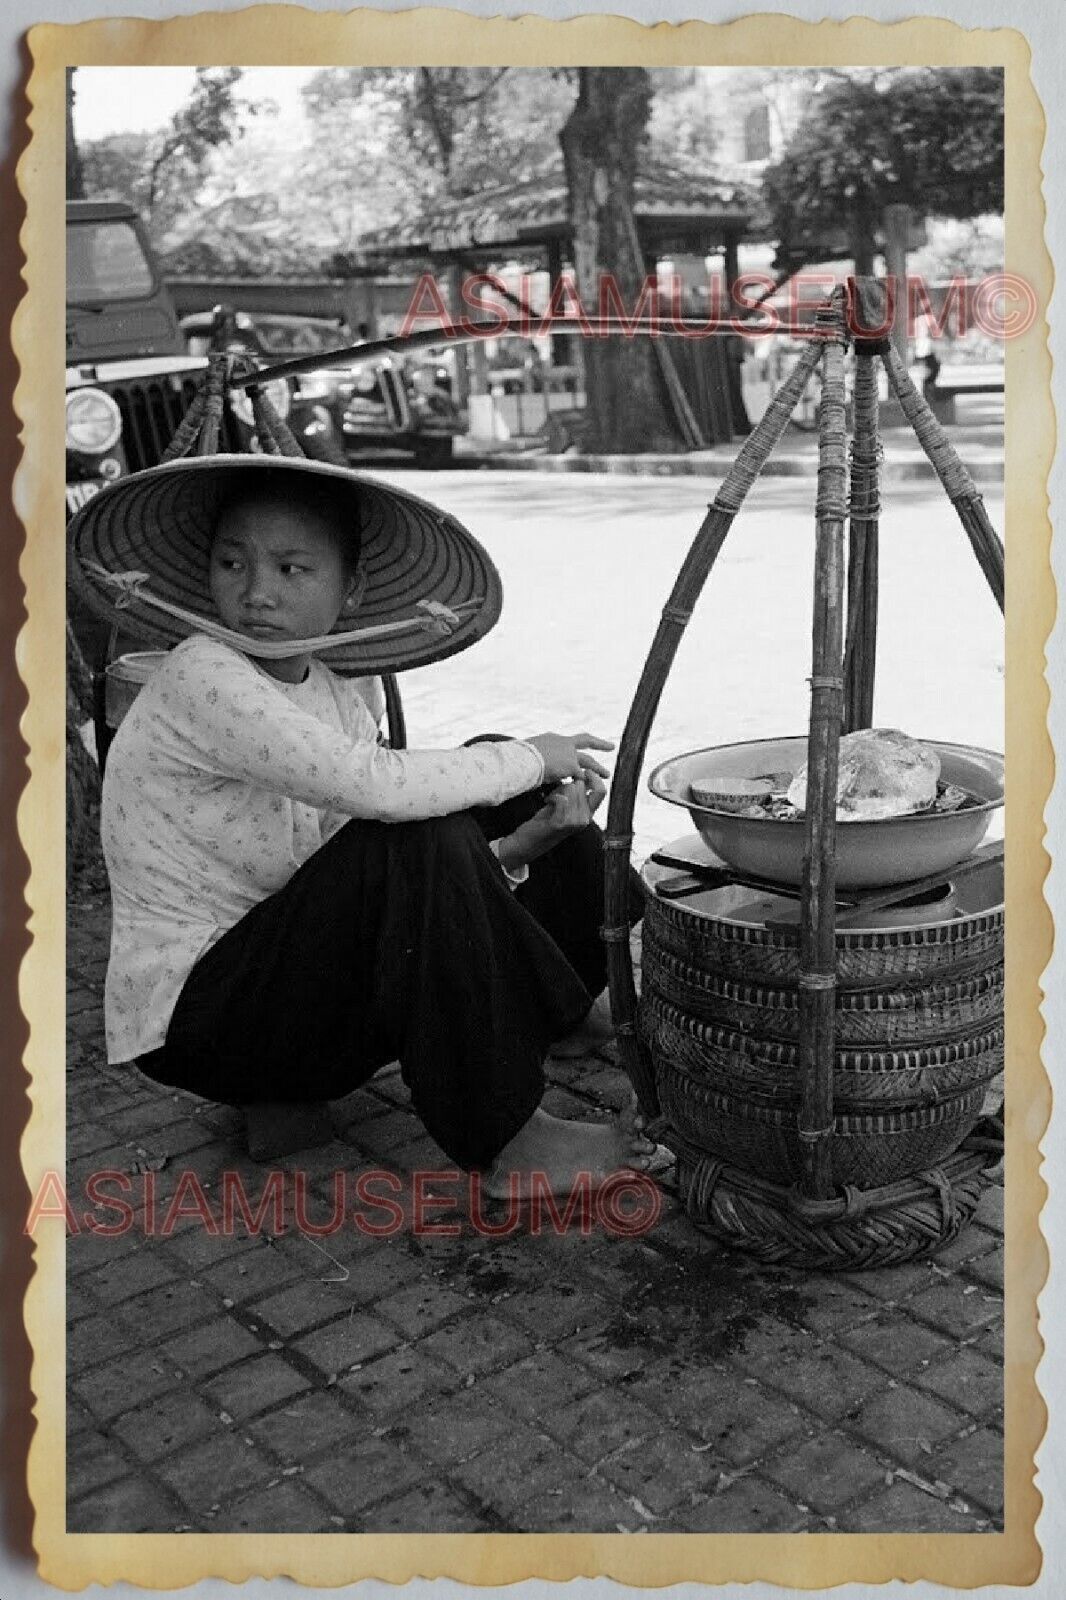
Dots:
(869, 854)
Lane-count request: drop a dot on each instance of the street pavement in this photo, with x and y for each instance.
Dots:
(568, 1380)
(571, 1381)
(977, 436)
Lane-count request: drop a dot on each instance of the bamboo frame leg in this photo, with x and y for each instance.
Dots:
(860, 651)
(817, 980)
(689, 583)
(958, 484)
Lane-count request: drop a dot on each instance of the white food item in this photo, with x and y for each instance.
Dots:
(882, 773)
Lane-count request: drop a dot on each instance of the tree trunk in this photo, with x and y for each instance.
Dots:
(624, 388)
(75, 175)
(862, 243)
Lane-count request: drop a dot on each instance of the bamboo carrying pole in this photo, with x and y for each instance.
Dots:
(864, 506)
(701, 557)
(817, 978)
(954, 476)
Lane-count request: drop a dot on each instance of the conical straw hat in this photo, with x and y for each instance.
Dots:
(431, 590)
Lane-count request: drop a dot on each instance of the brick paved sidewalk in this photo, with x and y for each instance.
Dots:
(450, 1384)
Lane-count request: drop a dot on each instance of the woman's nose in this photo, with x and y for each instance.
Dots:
(257, 589)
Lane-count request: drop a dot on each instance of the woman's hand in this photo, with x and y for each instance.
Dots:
(566, 756)
(569, 809)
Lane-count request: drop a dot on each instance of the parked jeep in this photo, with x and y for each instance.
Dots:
(357, 407)
(308, 402)
(129, 375)
(401, 403)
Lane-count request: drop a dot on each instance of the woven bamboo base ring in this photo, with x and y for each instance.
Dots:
(858, 1229)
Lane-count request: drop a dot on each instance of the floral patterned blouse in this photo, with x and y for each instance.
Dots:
(222, 781)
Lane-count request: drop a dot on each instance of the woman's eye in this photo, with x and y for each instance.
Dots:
(289, 568)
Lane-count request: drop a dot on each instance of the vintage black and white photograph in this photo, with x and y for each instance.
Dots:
(535, 799)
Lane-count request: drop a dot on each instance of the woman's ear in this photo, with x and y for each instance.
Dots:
(356, 591)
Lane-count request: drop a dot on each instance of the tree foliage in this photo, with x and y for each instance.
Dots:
(439, 130)
(161, 172)
(930, 138)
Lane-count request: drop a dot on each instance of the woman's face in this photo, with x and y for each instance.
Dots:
(279, 573)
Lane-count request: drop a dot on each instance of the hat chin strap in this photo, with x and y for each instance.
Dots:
(132, 587)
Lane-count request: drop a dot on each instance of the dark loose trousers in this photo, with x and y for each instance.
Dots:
(401, 941)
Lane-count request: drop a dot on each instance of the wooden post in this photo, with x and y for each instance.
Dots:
(456, 273)
(817, 980)
(956, 480)
(690, 581)
(860, 651)
(896, 222)
(561, 353)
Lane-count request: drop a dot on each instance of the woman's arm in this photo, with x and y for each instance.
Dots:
(570, 808)
(226, 717)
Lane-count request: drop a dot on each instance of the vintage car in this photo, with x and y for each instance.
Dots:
(402, 403)
(129, 374)
(308, 402)
(353, 408)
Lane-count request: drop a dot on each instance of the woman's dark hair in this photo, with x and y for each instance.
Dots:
(333, 502)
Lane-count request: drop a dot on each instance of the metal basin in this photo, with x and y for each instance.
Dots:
(869, 854)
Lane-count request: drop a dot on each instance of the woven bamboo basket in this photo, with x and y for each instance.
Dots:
(881, 1016)
(857, 1229)
(769, 1070)
(793, 1067)
(865, 957)
(895, 1112)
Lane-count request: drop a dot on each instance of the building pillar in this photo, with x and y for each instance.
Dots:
(456, 274)
(896, 225)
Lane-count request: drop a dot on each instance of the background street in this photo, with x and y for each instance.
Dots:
(588, 561)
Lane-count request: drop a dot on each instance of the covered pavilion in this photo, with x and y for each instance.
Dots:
(679, 210)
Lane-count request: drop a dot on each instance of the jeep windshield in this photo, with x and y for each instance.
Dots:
(105, 261)
(286, 339)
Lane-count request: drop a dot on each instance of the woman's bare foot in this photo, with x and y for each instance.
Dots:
(592, 1034)
(558, 1151)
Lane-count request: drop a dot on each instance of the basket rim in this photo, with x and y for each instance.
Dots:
(952, 931)
(943, 992)
(850, 1059)
(854, 1119)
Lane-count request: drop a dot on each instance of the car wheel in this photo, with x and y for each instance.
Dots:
(430, 453)
(323, 446)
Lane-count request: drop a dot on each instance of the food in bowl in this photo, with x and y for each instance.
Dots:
(868, 853)
(882, 773)
(734, 794)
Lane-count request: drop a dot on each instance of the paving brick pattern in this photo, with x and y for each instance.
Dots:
(455, 1382)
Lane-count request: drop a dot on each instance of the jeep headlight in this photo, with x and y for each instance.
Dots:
(94, 422)
(277, 391)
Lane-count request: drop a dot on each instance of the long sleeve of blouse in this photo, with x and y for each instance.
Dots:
(219, 713)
